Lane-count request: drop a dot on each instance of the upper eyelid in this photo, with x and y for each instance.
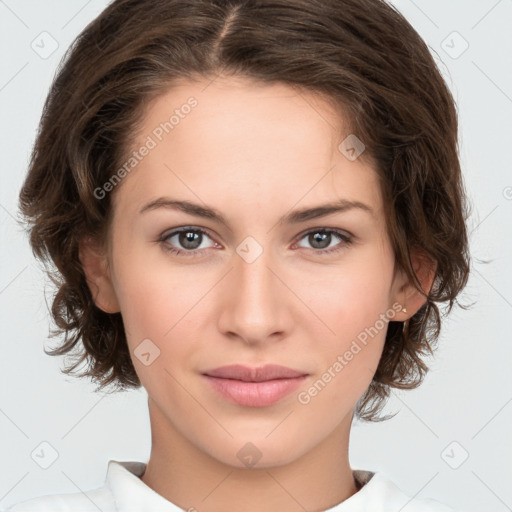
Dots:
(343, 235)
(175, 231)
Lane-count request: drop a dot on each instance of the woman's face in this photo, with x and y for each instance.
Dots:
(265, 285)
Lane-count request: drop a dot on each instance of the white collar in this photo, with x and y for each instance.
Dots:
(130, 493)
(377, 493)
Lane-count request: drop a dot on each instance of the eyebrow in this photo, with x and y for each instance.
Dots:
(294, 217)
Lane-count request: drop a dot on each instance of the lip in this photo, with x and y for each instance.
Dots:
(254, 386)
(254, 374)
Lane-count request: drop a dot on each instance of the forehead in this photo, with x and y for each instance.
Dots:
(232, 140)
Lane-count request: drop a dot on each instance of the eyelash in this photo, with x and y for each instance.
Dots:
(346, 239)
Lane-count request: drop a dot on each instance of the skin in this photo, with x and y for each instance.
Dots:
(254, 153)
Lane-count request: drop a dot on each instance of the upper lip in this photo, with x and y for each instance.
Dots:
(254, 374)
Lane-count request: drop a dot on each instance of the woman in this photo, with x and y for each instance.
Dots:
(255, 208)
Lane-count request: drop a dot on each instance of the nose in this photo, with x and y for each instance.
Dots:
(255, 301)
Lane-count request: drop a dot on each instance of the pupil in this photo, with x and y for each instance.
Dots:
(321, 237)
(187, 239)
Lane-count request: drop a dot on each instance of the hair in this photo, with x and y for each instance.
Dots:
(361, 54)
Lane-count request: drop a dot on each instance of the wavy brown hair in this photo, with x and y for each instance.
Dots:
(361, 54)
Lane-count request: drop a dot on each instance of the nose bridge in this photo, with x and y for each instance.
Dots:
(254, 305)
(254, 282)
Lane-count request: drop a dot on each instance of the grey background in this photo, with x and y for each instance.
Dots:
(464, 407)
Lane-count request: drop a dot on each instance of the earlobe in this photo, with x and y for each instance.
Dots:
(410, 297)
(94, 264)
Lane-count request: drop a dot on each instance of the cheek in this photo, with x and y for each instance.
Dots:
(353, 304)
(155, 303)
(347, 358)
(156, 323)
(352, 297)
(152, 292)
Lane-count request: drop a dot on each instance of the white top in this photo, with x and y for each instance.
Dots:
(124, 491)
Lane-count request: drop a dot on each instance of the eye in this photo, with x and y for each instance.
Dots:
(188, 239)
(320, 239)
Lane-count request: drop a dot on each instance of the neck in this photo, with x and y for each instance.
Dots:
(192, 479)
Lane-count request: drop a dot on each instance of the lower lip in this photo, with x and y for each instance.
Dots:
(255, 394)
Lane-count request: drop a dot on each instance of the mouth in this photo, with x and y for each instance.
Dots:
(254, 386)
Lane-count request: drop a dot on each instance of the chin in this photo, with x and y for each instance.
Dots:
(258, 453)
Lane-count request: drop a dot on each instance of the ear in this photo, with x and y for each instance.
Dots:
(97, 275)
(408, 295)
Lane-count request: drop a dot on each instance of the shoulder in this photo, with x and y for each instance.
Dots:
(122, 490)
(89, 501)
(380, 494)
